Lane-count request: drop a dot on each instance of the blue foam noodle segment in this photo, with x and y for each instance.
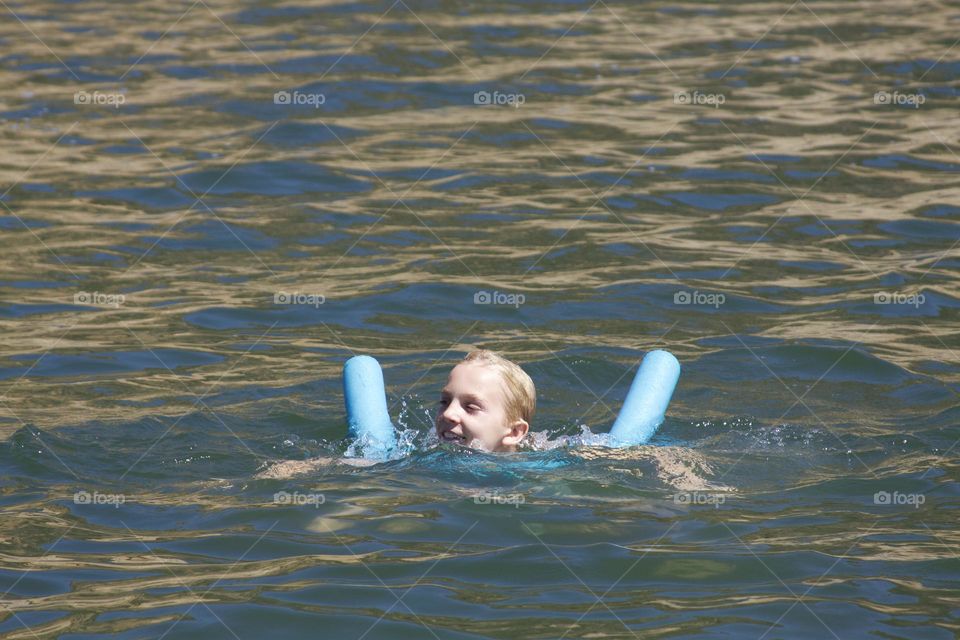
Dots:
(366, 402)
(646, 404)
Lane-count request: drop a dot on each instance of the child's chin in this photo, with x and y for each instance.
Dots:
(455, 443)
(477, 445)
(474, 445)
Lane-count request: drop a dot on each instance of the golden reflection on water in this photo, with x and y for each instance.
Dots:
(201, 100)
(811, 97)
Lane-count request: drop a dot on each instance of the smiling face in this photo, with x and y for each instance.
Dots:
(473, 410)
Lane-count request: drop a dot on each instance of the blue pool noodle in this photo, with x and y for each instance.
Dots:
(646, 404)
(366, 403)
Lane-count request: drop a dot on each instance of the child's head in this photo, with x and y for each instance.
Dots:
(487, 403)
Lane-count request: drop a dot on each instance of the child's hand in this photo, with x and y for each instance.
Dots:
(291, 468)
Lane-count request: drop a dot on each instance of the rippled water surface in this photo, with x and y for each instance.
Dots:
(207, 207)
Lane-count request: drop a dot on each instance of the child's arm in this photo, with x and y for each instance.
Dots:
(291, 468)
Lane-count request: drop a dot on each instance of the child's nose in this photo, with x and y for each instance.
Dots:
(451, 413)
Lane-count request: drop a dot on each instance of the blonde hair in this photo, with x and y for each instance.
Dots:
(519, 390)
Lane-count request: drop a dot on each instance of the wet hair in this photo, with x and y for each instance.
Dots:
(518, 388)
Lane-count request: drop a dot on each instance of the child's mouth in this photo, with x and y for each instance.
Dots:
(449, 436)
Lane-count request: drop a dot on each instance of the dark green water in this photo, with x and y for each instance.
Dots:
(768, 190)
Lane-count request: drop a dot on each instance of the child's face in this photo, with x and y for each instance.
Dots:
(472, 410)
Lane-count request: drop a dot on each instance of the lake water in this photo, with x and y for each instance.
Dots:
(208, 207)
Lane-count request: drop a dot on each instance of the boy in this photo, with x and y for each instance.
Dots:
(487, 403)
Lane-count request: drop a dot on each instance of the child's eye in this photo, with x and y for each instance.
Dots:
(473, 407)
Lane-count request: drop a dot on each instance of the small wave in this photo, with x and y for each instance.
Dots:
(540, 440)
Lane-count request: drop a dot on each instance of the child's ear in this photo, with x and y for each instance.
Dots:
(518, 429)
